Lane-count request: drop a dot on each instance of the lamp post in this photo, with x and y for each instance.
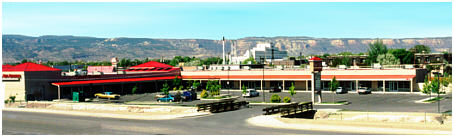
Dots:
(438, 88)
(263, 79)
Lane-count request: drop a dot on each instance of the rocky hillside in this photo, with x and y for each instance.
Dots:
(58, 48)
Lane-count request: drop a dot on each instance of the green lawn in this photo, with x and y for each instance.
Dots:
(220, 97)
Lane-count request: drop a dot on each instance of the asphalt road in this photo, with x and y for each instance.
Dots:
(226, 123)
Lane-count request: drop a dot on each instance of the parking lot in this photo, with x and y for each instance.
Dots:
(375, 102)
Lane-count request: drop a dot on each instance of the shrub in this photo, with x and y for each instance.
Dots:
(181, 87)
(275, 98)
(6, 101)
(12, 98)
(287, 100)
(204, 94)
(174, 88)
(134, 89)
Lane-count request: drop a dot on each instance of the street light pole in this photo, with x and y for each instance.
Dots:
(263, 80)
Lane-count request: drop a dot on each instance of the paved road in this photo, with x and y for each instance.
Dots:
(227, 123)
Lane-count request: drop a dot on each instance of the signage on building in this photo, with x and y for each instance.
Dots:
(315, 64)
(11, 77)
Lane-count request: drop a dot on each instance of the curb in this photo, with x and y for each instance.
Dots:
(107, 115)
(272, 122)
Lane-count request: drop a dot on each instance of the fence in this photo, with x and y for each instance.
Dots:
(289, 110)
(221, 106)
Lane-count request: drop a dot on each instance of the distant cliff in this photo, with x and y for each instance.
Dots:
(58, 48)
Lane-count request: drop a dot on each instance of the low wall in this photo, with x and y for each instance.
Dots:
(111, 107)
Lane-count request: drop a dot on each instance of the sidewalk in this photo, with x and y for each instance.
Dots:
(274, 121)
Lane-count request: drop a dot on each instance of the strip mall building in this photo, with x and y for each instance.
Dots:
(30, 81)
(394, 80)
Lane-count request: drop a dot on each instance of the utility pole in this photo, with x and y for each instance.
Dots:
(263, 80)
(223, 51)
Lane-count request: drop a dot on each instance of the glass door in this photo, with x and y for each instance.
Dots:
(393, 86)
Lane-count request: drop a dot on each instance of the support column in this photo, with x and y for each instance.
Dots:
(357, 85)
(58, 92)
(313, 87)
(384, 86)
(307, 85)
(261, 85)
(411, 85)
(283, 85)
(240, 85)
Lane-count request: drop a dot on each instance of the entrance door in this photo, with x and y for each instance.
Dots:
(393, 86)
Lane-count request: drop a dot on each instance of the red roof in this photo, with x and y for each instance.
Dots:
(112, 80)
(151, 64)
(315, 58)
(28, 66)
(6, 66)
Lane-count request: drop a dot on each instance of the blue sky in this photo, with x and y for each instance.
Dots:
(232, 20)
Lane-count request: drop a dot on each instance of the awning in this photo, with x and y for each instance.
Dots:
(112, 81)
(301, 77)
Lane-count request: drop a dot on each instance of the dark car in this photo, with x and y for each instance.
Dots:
(189, 96)
(275, 89)
(341, 90)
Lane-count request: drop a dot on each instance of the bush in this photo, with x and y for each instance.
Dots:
(12, 98)
(275, 98)
(174, 88)
(134, 89)
(181, 87)
(204, 94)
(287, 100)
(6, 101)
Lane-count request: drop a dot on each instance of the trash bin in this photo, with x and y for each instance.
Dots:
(76, 96)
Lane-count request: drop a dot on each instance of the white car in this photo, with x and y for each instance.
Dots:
(251, 93)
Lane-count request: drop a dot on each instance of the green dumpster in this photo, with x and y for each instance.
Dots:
(76, 96)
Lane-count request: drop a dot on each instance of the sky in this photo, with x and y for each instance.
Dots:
(232, 20)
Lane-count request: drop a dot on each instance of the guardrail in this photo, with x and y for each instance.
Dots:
(290, 109)
(221, 106)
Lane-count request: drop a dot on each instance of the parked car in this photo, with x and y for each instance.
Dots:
(189, 96)
(107, 95)
(275, 89)
(167, 98)
(363, 90)
(251, 93)
(161, 95)
(341, 90)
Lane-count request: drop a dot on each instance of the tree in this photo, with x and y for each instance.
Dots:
(420, 49)
(333, 84)
(375, 49)
(195, 85)
(176, 82)
(134, 89)
(244, 89)
(213, 87)
(387, 59)
(292, 90)
(405, 57)
(249, 59)
(165, 88)
(24, 61)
